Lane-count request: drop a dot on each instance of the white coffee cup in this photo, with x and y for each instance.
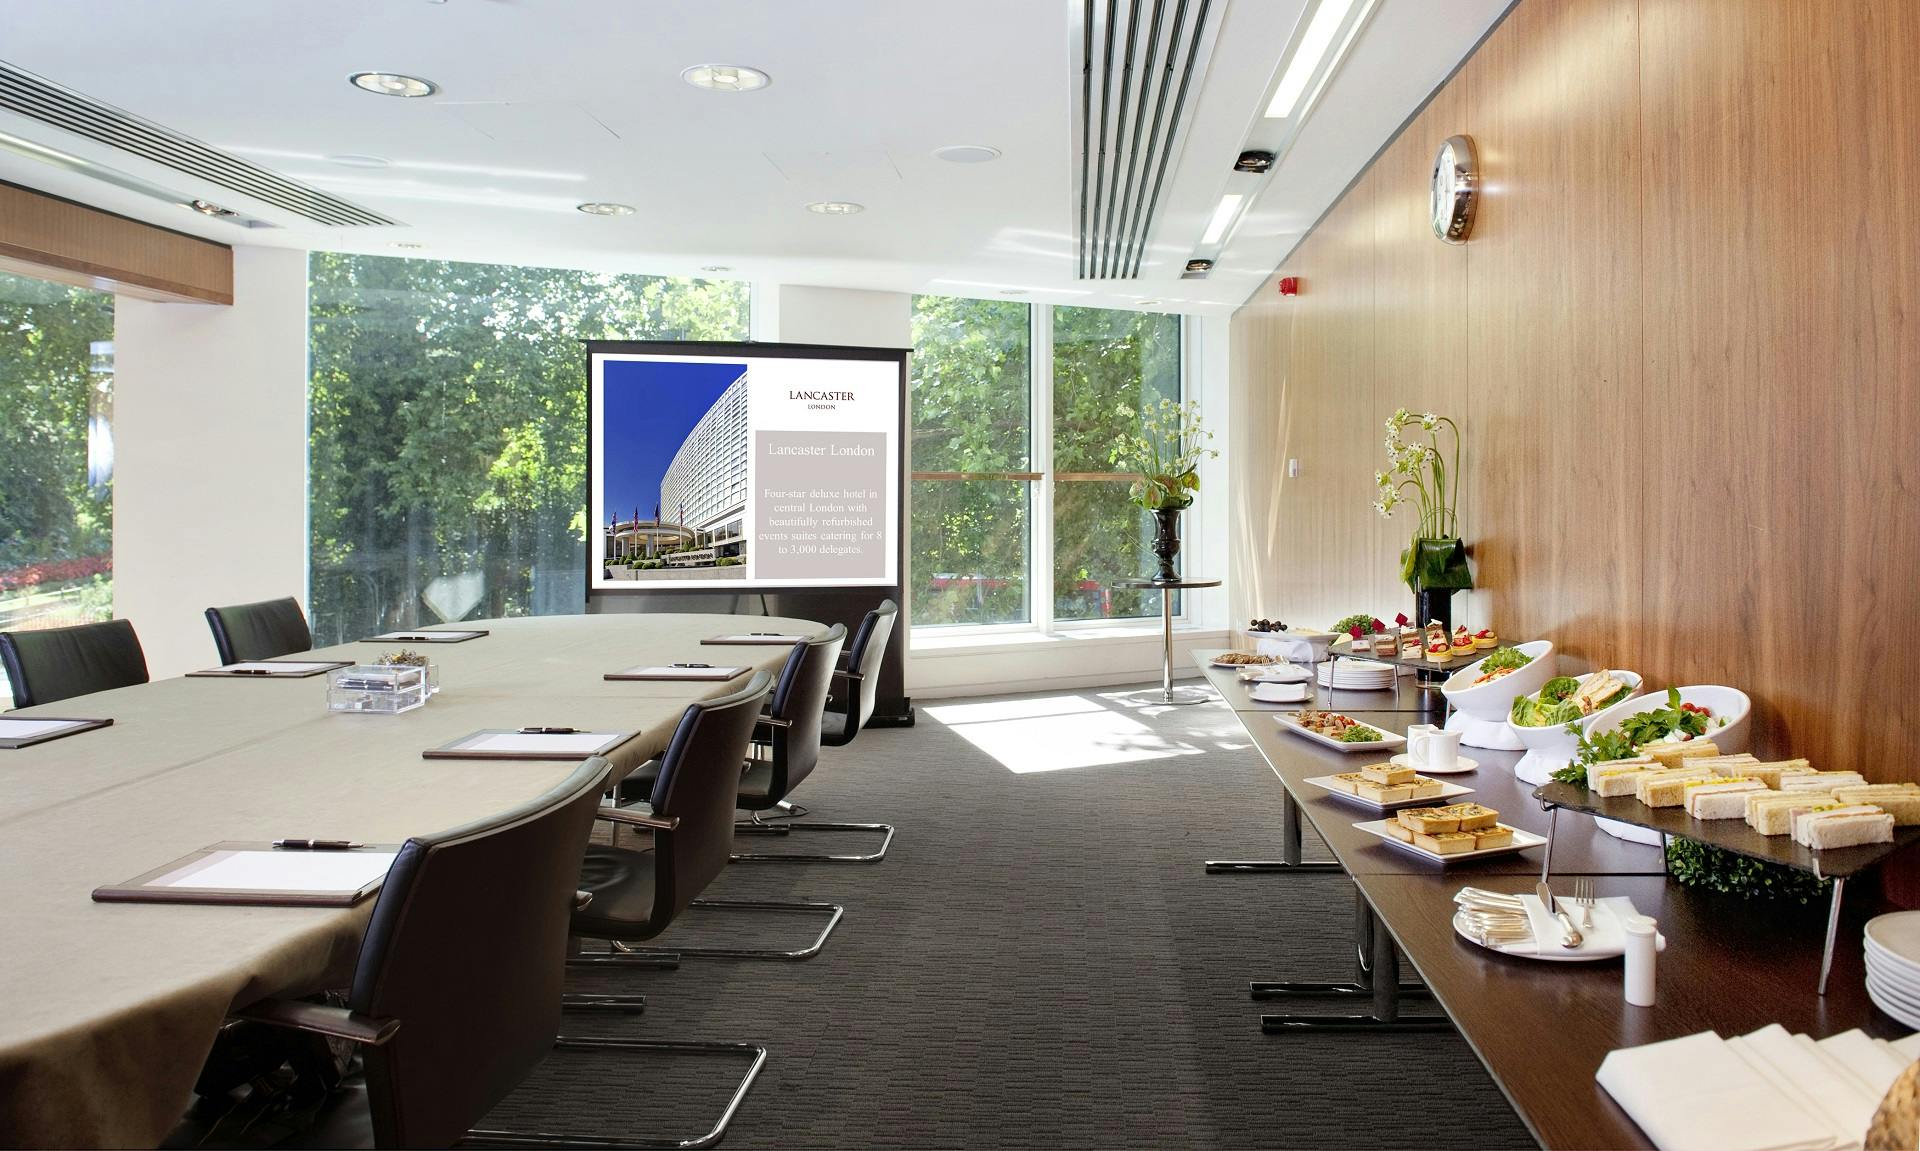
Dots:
(1433, 748)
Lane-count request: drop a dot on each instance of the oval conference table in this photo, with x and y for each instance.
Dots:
(108, 1010)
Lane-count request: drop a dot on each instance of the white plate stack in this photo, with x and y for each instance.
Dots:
(1357, 675)
(1893, 965)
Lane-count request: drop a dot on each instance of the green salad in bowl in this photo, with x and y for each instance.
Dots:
(1565, 699)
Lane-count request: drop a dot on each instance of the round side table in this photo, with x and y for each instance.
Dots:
(1167, 694)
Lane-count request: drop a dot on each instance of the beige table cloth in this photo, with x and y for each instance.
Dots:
(107, 1011)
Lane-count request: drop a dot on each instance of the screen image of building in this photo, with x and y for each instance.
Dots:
(699, 521)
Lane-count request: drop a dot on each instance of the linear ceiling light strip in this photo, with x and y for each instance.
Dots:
(1127, 205)
(1137, 242)
(42, 100)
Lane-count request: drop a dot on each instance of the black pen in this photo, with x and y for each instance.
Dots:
(249, 671)
(316, 844)
(763, 633)
(692, 665)
(548, 730)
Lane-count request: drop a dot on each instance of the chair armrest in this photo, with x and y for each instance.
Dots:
(321, 1019)
(851, 676)
(633, 818)
(581, 899)
(774, 721)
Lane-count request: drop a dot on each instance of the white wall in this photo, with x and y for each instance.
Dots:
(210, 471)
(800, 314)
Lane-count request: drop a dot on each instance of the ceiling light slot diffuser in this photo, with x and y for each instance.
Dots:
(58, 107)
(1141, 64)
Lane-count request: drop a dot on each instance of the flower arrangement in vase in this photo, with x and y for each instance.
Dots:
(1166, 454)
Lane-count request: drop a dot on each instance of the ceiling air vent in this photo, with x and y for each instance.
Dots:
(1141, 64)
(63, 108)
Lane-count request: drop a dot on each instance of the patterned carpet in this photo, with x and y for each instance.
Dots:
(1040, 961)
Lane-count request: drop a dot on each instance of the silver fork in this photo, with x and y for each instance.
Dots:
(1583, 896)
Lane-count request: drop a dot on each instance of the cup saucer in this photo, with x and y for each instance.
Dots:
(1460, 764)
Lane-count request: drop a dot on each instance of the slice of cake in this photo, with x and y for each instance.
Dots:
(1772, 812)
(1843, 825)
(1430, 820)
(1720, 797)
(1388, 773)
(1499, 835)
(1445, 843)
(1900, 800)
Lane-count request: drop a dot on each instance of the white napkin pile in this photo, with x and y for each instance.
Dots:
(1290, 648)
(1768, 1091)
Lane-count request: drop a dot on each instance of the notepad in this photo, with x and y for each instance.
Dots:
(274, 668)
(702, 674)
(24, 731)
(281, 871)
(508, 744)
(260, 874)
(769, 638)
(424, 637)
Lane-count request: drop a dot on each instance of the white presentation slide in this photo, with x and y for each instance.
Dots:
(733, 470)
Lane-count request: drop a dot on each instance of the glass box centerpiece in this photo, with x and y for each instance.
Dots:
(378, 688)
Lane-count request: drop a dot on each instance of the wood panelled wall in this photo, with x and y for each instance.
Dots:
(1684, 340)
(56, 239)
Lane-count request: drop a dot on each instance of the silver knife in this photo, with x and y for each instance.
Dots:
(1570, 935)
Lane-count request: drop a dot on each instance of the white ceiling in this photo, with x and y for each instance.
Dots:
(546, 103)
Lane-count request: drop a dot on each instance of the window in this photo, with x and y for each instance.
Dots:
(448, 430)
(972, 447)
(56, 456)
(1000, 508)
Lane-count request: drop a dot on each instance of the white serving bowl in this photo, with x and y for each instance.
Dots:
(1492, 701)
(1728, 703)
(1552, 747)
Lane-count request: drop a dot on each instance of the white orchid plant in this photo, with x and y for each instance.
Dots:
(1166, 452)
(1424, 474)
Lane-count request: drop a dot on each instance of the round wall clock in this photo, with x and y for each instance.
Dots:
(1456, 187)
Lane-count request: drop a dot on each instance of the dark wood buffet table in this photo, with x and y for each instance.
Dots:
(1542, 1028)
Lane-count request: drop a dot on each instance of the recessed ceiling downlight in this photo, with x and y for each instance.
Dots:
(836, 208)
(599, 208)
(967, 153)
(393, 84)
(726, 77)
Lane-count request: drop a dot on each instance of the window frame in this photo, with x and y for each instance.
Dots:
(1044, 480)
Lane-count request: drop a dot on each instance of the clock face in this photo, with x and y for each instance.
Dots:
(1456, 179)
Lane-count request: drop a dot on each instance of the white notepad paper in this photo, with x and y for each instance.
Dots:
(424, 636)
(279, 666)
(757, 637)
(281, 871)
(665, 672)
(11, 728)
(581, 742)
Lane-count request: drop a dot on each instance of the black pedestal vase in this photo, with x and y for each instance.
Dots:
(1166, 542)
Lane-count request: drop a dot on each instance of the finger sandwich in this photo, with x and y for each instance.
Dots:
(1615, 776)
(1670, 754)
(1842, 825)
(1771, 773)
(1900, 800)
(1822, 780)
(1772, 812)
(1666, 788)
(1720, 796)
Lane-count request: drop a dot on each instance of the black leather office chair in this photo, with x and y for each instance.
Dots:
(851, 704)
(638, 893)
(60, 663)
(263, 630)
(449, 1028)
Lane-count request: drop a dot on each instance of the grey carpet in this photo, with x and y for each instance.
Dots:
(1040, 961)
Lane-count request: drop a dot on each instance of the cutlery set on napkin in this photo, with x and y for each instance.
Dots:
(1768, 1091)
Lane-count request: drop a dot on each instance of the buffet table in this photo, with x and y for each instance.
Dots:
(1542, 1028)
(110, 1009)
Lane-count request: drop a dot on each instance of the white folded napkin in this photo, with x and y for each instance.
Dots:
(1698, 1092)
(1293, 649)
(1908, 1047)
(1276, 673)
(1607, 937)
(1872, 1061)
